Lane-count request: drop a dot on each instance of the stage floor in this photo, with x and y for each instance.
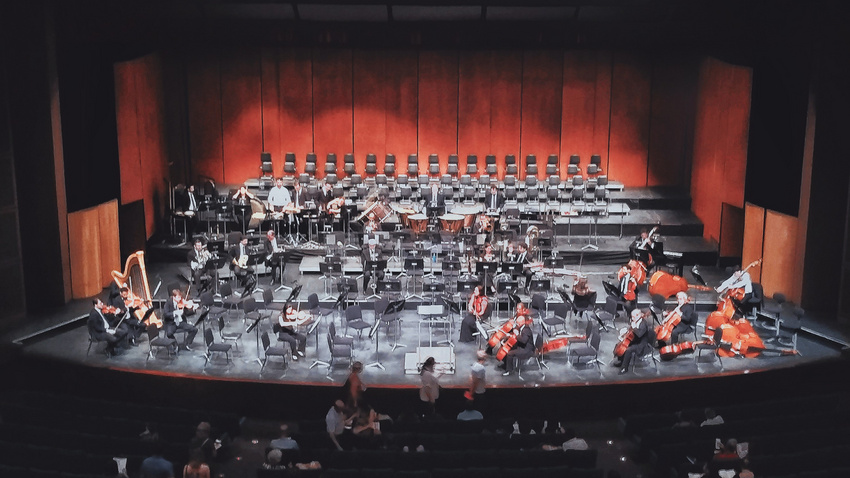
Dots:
(62, 335)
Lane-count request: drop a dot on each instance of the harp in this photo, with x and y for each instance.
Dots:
(135, 278)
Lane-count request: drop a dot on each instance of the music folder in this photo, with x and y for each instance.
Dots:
(482, 267)
(512, 268)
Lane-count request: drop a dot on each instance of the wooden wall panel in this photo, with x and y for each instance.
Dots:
(128, 130)
(579, 108)
(505, 107)
(84, 253)
(203, 83)
(270, 98)
(602, 117)
(402, 104)
(475, 70)
(731, 231)
(295, 69)
(241, 114)
(720, 141)
(109, 239)
(370, 111)
(753, 238)
(630, 105)
(438, 106)
(780, 246)
(332, 105)
(542, 84)
(670, 144)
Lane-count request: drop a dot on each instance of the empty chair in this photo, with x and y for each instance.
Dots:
(588, 350)
(554, 181)
(558, 318)
(491, 168)
(510, 181)
(601, 181)
(578, 181)
(511, 165)
(331, 178)
(575, 159)
(402, 180)
(304, 178)
(466, 180)
(282, 351)
(348, 164)
(530, 181)
(572, 170)
(552, 164)
(310, 165)
(225, 337)
(354, 319)
(371, 164)
(154, 340)
(356, 180)
(446, 180)
(472, 164)
(484, 181)
(530, 159)
(213, 347)
(452, 168)
(389, 165)
(433, 165)
(289, 163)
(412, 165)
(596, 160)
(423, 181)
(510, 193)
(553, 195)
(330, 163)
(592, 170)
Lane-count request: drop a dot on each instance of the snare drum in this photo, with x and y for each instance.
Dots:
(451, 222)
(418, 223)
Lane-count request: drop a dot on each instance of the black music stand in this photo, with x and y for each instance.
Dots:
(541, 285)
(390, 285)
(467, 285)
(348, 211)
(399, 237)
(395, 307)
(284, 258)
(375, 265)
(485, 269)
(216, 263)
(450, 305)
(433, 287)
(255, 328)
(373, 334)
(553, 262)
(413, 263)
(348, 285)
(507, 287)
(513, 269)
(452, 265)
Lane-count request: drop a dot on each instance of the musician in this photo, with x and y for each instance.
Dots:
(643, 247)
(628, 289)
(278, 196)
(476, 308)
(435, 200)
(641, 341)
(174, 313)
(299, 202)
(243, 196)
(739, 280)
(238, 264)
(688, 312)
(326, 194)
(524, 259)
(104, 327)
(494, 200)
(582, 293)
(210, 190)
(371, 253)
(372, 225)
(488, 255)
(190, 210)
(524, 347)
(287, 332)
(274, 253)
(197, 259)
(135, 327)
(511, 252)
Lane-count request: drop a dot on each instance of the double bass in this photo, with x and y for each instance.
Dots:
(667, 285)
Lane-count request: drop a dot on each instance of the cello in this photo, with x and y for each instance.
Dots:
(667, 285)
(664, 331)
(625, 341)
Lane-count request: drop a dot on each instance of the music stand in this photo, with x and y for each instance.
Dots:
(395, 307)
(433, 287)
(348, 285)
(348, 211)
(325, 268)
(255, 328)
(467, 285)
(390, 285)
(513, 269)
(541, 285)
(507, 287)
(485, 269)
(217, 263)
(284, 258)
(413, 263)
(451, 265)
(399, 236)
(375, 265)
(373, 333)
(450, 305)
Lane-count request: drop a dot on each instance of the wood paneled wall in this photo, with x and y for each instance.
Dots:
(142, 150)
(93, 248)
(720, 141)
(635, 110)
(772, 236)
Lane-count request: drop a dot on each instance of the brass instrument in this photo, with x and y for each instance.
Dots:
(203, 256)
(242, 263)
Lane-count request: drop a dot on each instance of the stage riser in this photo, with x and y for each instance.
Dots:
(579, 228)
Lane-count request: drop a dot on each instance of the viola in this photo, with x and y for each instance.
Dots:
(620, 348)
(142, 311)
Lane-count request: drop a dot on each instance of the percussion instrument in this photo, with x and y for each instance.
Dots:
(189, 213)
(469, 213)
(382, 211)
(403, 213)
(451, 222)
(418, 223)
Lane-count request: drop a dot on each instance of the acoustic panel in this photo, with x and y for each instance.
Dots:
(203, 84)
(370, 109)
(475, 70)
(630, 104)
(780, 246)
(241, 114)
(85, 253)
(295, 74)
(542, 84)
(438, 106)
(505, 107)
(731, 231)
(110, 242)
(402, 103)
(270, 99)
(332, 106)
(753, 238)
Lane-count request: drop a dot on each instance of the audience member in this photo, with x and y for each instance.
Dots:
(354, 387)
(478, 380)
(273, 459)
(202, 441)
(155, 466)
(196, 468)
(335, 422)
(725, 461)
(284, 442)
(469, 412)
(711, 418)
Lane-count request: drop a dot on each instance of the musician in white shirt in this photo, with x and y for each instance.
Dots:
(279, 196)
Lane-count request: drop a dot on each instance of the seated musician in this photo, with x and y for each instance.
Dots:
(628, 289)
(494, 200)
(239, 265)
(488, 255)
(278, 196)
(243, 196)
(274, 254)
(643, 245)
(123, 303)
(739, 280)
(175, 313)
(640, 343)
(104, 326)
(524, 347)
(197, 259)
(524, 258)
(582, 293)
(476, 308)
(287, 330)
(371, 253)
(688, 323)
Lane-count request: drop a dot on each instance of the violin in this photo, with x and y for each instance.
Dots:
(108, 309)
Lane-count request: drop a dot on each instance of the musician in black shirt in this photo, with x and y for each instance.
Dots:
(239, 265)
